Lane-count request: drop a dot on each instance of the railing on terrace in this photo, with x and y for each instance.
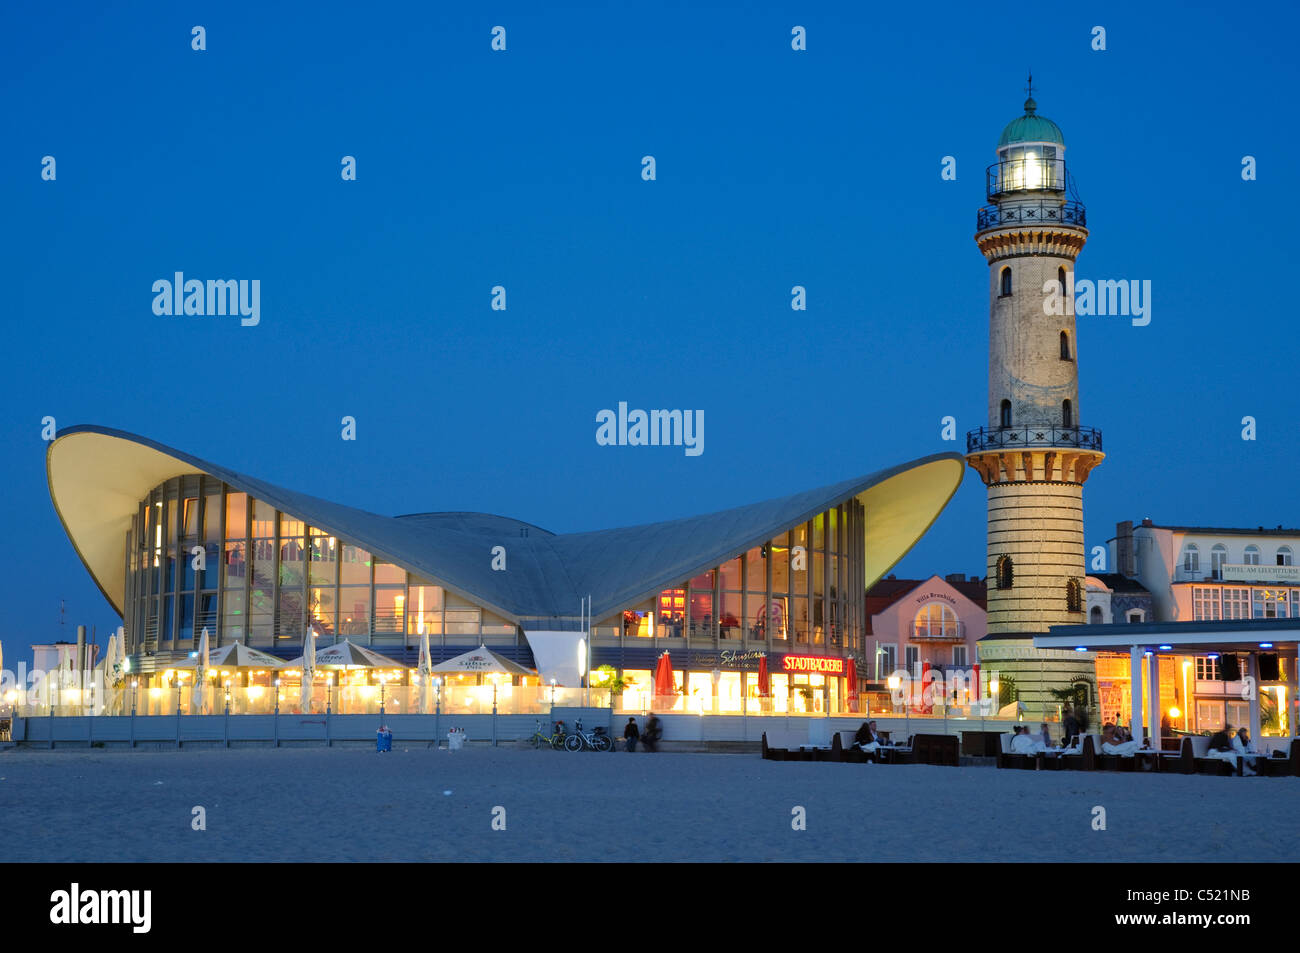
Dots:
(1021, 213)
(1022, 438)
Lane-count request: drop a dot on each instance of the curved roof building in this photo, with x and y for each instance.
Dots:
(177, 544)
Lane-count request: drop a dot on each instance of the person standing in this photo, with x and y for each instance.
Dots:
(631, 734)
(1070, 725)
(653, 731)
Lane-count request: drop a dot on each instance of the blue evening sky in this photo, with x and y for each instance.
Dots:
(775, 168)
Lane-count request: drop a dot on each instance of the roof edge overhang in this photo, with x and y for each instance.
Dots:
(910, 508)
(96, 486)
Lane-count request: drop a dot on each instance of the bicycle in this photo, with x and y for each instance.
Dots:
(555, 740)
(594, 740)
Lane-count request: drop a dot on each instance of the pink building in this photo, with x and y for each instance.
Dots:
(911, 622)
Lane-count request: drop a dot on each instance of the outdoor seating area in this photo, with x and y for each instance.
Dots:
(780, 745)
(1182, 754)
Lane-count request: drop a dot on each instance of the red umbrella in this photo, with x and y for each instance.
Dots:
(925, 683)
(664, 676)
(764, 681)
(976, 694)
(851, 675)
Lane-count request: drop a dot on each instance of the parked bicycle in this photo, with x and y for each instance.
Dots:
(594, 740)
(555, 739)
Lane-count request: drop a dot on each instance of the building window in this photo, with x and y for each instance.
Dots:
(886, 661)
(912, 655)
(1065, 346)
(1284, 556)
(1205, 603)
(959, 656)
(1218, 556)
(1094, 615)
(1006, 414)
(1067, 414)
(1004, 572)
(1269, 603)
(935, 620)
(1236, 603)
(1191, 559)
(1252, 555)
(1073, 596)
(1135, 615)
(1207, 669)
(1006, 281)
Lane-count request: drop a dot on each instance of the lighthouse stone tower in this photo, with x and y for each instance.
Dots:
(1034, 456)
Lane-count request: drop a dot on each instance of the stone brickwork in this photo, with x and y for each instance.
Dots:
(1040, 527)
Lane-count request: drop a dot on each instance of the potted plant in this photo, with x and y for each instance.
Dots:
(606, 676)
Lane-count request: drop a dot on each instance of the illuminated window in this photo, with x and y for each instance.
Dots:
(1073, 596)
(934, 620)
(1004, 572)
(1207, 669)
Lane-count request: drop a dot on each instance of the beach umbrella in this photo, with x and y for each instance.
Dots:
(344, 655)
(426, 674)
(308, 667)
(238, 655)
(199, 696)
(925, 683)
(664, 676)
(978, 694)
(764, 679)
(851, 676)
(482, 660)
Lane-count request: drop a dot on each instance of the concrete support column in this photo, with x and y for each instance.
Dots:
(1153, 706)
(1252, 675)
(1135, 677)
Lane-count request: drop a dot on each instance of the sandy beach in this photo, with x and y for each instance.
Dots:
(415, 804)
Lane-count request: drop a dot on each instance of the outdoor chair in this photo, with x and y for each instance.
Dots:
(1287, 766)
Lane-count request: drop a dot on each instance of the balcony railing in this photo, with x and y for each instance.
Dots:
(947, 631)
(1022, 438)
(1070, 213)
(1026, 174)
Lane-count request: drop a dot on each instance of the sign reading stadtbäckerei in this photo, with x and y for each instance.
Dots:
(1261, 573)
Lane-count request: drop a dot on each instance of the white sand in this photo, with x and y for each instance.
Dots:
(318, 804)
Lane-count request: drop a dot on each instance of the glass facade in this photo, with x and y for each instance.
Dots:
(201, 554)
(802, 590)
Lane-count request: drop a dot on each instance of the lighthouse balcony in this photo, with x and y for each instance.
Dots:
(1032, 213)
(1032, 438)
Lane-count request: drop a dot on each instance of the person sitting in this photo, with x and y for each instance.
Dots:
(867, 740)
(1244, 748)
(1221, 746)
(1069, 726)
(1045, 735)
(1022, 742)
(1115, 740)
(880, 736)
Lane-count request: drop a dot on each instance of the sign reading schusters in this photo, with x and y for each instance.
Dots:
(813, 663)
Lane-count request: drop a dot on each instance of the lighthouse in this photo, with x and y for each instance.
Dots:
(1035, 454)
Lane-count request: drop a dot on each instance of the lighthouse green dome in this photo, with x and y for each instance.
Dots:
(1031, 128)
